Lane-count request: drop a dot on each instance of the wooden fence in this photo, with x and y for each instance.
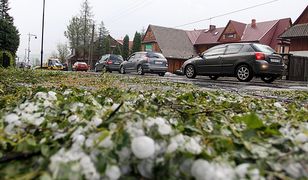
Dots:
(298, 68)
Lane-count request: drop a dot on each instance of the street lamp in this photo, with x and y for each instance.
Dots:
(29, 39)
(42, 43)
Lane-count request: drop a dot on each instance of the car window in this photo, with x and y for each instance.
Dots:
(131, 57)
(233, 48)
(263, 48)
(248, 48)
(155, 55)
(116, 57)
(215, 51)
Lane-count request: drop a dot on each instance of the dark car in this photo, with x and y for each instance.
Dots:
(145, 62)
(109, 63)
(242, 60)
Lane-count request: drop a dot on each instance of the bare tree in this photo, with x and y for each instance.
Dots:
(63, 52)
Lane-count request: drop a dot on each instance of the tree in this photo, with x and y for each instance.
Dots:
(125, 51)
(4, 8)
(102, 34)
(87, 23)
(136, 43)
(142, 32)
(73, 33)
(117, 50)
(9, 37)
(63, 52)
(106, 47)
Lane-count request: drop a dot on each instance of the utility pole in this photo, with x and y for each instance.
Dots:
(29, 39)
(42, 43)
(85, 31)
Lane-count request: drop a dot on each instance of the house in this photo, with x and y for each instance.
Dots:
(297, 35)
(174, 44)
(179, 45)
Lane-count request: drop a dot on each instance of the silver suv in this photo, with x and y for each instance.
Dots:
(145, 62)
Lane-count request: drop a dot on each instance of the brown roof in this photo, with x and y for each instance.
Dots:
(297, 31)
(130, 43)
(303, 18)
(193, 35)
(209, 37)
(239, 27)
(257, 33)
(174, 43)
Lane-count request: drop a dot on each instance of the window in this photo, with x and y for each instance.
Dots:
(229, 36)
(149, 47)
(215, 51)
(234, 48)
(155, 55)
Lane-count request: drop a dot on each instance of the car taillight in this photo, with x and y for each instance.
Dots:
(109, 62)
(260, 56)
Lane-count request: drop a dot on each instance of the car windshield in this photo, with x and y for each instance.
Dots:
(116, 57)
(155, 55)
(264, 48)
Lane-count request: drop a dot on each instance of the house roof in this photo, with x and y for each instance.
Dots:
(258, 32)
(297, 31)
(209, 37)
(239, 27)
(302, 19)
(193, 35)
(174, 43)
(130, 43)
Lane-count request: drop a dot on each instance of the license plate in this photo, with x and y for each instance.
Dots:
(275, 60)
(116, 63)
(157, 62)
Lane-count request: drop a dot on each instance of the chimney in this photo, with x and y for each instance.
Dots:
(253, 23)
(212, 27)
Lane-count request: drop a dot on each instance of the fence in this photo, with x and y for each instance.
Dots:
(298, 68)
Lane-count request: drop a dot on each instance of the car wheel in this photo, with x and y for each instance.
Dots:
(104, 69)
(244, 73)
(140, 70)
(122, 70)
(95, 70)
(190, 71)
(214, 77)
(268, 78)
(161, 74)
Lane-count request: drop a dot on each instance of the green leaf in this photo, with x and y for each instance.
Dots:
(252, 121)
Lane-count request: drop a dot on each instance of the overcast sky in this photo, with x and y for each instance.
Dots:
(127, 16)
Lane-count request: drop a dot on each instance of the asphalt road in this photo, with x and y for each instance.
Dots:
(230, 83)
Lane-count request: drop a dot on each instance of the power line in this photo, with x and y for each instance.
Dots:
(129, 8)
(141, 5)
(232, 12)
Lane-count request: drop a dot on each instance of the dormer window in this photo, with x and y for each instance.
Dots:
(229, 36)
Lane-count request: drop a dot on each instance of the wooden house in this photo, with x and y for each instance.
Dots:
(297, 35)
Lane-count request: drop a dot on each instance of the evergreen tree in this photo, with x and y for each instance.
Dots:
(9, 37)
(102, 34)
(106, 47)
(125, 51)
(4, 8)
(73, 33)
(117, 50)
(136, 43)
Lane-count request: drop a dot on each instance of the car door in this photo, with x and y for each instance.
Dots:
(230, 58)
(211, 62)
(129, 65)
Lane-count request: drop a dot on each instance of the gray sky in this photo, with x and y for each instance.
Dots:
(127, 16)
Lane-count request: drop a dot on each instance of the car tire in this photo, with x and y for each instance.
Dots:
(140, 70)
(269, 78)
(122, 70)
(244, 73)
(214, 77)
(190, 71)
(161, 74)
(104, 69)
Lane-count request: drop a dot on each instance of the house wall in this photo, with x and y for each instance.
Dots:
(174, 64)
(300, 44)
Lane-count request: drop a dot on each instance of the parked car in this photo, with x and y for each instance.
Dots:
(80, 66)
(242, 60)
(145, 62)
(109, 63)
